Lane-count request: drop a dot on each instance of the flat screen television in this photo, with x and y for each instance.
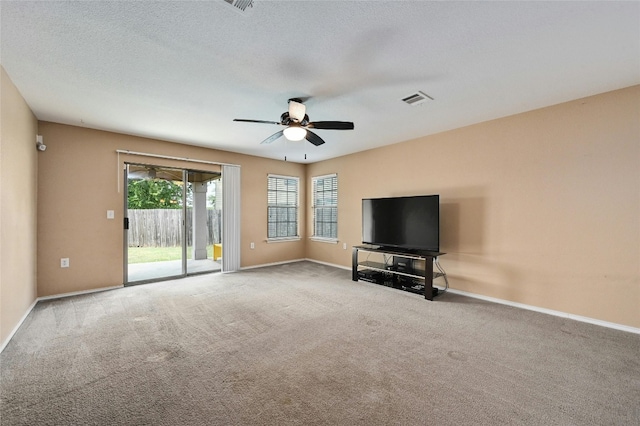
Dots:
(407, 223)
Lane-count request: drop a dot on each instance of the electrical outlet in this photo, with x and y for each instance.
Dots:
(253, 246)
(344, 246)
(64, 262)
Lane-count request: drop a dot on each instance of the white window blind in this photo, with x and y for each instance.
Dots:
(282, 206)
(325, 206)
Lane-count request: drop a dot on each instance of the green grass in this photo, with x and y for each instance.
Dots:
(159, 254)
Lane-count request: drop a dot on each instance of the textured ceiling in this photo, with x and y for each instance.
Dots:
(183, 70)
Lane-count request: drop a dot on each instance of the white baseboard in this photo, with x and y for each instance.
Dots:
(15, 329)
(244, 268)
(561, 314)
(348, 268)
(78, 293)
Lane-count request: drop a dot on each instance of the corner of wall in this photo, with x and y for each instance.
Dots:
(18, 209)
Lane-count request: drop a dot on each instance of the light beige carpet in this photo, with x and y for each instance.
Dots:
(303, 344)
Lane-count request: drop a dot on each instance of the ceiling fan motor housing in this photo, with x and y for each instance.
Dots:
(285, 119)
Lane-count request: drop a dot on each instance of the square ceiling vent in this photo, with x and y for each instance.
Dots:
(417, 98)
(240, 5)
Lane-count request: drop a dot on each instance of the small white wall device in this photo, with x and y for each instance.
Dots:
(39, 144)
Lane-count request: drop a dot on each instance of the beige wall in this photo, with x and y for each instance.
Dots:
(540, 208)
(18, 179)
(78, 183)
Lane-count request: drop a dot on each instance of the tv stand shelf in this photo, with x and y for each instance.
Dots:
(409, 271)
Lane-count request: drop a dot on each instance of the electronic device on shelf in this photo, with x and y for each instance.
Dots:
(371, 276)
(405, 223)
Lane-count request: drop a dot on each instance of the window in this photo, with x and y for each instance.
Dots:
(282, 207)
(325, 207)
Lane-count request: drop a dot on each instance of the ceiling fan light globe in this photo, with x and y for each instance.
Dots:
(295, 133)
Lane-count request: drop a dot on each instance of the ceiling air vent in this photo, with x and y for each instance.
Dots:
(416, 98)
(240, 4)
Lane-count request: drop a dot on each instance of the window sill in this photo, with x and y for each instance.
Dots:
(282, 240)
(324, 240)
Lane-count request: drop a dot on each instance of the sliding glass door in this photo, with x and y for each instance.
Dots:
(169, 223)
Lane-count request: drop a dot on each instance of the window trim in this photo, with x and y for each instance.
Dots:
(314, 237)
(282, 239)
(297, 206)
(324, 240)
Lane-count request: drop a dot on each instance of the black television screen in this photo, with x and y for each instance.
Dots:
(411, 223)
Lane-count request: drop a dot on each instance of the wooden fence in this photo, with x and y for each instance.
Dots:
(163, 227)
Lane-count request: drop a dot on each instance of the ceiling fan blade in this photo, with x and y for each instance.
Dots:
(273, 137)
(297, 110)
(255, 121)
(331, 125)
(313, 138)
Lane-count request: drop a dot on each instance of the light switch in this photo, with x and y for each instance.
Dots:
(110, 214)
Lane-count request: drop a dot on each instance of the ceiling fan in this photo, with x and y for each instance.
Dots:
(297, 124)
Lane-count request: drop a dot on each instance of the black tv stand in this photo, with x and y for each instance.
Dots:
(405, 270)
